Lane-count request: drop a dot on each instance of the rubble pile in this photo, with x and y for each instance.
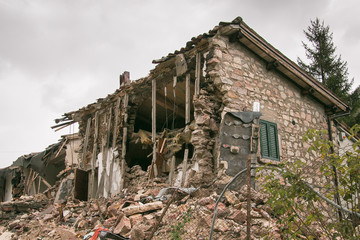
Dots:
(197, 214)
(136, 214)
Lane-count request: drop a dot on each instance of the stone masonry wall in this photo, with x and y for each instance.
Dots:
(244, 79)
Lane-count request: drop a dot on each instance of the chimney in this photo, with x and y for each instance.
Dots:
(124, 78)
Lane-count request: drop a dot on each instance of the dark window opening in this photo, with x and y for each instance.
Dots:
(81, 185)
(179, 156)
(138, 154)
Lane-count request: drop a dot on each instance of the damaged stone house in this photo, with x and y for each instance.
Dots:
(38, 172)
(200, 112)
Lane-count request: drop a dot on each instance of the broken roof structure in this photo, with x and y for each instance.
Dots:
(174, 122)
(38, 172)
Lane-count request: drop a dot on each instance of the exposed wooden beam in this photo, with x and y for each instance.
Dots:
(63, 124)
(86, 141)
(93, 184)
(124, 140)
(197, 74)
(153, 127)
(187, 99)
(172, 170)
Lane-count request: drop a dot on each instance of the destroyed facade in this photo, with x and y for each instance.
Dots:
(176, 123)
(187, 121)
(38, 172)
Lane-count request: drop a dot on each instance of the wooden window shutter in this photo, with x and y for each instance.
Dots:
(263, 140)
(269, 140)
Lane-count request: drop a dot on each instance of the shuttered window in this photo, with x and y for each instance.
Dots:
(269, 140)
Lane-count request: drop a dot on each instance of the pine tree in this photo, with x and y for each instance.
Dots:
(329, 68)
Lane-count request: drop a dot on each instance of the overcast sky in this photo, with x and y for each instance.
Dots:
(59, 55)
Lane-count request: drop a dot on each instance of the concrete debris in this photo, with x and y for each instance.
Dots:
(38, 217)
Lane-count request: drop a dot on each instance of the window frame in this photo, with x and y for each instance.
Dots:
(269, 124)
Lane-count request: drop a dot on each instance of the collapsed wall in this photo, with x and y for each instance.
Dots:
(166, 123)
(171, 122)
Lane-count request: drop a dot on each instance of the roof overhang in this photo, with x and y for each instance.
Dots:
(275, 59)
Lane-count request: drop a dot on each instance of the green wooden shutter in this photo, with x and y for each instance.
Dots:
(272, 140)
(269, 140)
(263, 140)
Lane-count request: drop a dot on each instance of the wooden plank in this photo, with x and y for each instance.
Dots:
(45, 182)
(124, 140)
(63, 124)
(187, 99)
(187, 122)
(132, 210)
(71, 123)
(123, 151)
(109, 128)
(116, 123)
(86, 141)
(35, 175)
(174, 107)
(153, 126)
(39, 183)
(173, 159)
(162, 145)
(100, 191)
(159, 154)
(27, 180)
(62, 145)
(185, 166)
(105, 152)
(172, 170)
(197, 74)
(93, 184)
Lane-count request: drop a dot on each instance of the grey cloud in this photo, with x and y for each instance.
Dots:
(57, 56)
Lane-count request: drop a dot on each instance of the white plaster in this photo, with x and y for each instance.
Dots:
(196, 167)
(107, 169)
(109, 158)
(116, 178)
(177, 182)
(8, 188)
(72, 156)
(99, 161)
(114, 185)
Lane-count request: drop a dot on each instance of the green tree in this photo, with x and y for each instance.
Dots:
(307, 210)
(328, 67)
